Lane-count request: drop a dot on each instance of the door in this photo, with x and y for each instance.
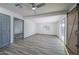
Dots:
(5, 30)
(72, 22)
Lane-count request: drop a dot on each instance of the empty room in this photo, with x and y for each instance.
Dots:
(39, 28)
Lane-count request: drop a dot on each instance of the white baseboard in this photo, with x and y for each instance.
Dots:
(47, 34)
(29, 35)
(66, 50)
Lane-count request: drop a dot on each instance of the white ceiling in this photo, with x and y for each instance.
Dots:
(27, 10)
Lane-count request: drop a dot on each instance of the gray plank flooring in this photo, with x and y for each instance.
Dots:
(35, 45)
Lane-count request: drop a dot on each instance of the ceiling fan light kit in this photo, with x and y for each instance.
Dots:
(33, 8)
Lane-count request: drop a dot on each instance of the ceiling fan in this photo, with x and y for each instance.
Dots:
(33, 5)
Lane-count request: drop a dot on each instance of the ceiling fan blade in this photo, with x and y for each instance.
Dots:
(18, 5)
(40, 5)
(33, 4)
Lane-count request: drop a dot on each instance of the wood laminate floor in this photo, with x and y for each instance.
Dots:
(35, 45)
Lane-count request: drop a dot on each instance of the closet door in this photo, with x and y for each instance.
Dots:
(5, 26)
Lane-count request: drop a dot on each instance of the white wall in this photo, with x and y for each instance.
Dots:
(29, 28)
(12, 14)
(47, 28)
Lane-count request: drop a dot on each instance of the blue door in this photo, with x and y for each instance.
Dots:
(5, 30)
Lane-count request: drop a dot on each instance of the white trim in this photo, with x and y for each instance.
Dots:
(66, 50)
(64, 47)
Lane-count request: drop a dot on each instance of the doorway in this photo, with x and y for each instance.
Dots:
(18, 29)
